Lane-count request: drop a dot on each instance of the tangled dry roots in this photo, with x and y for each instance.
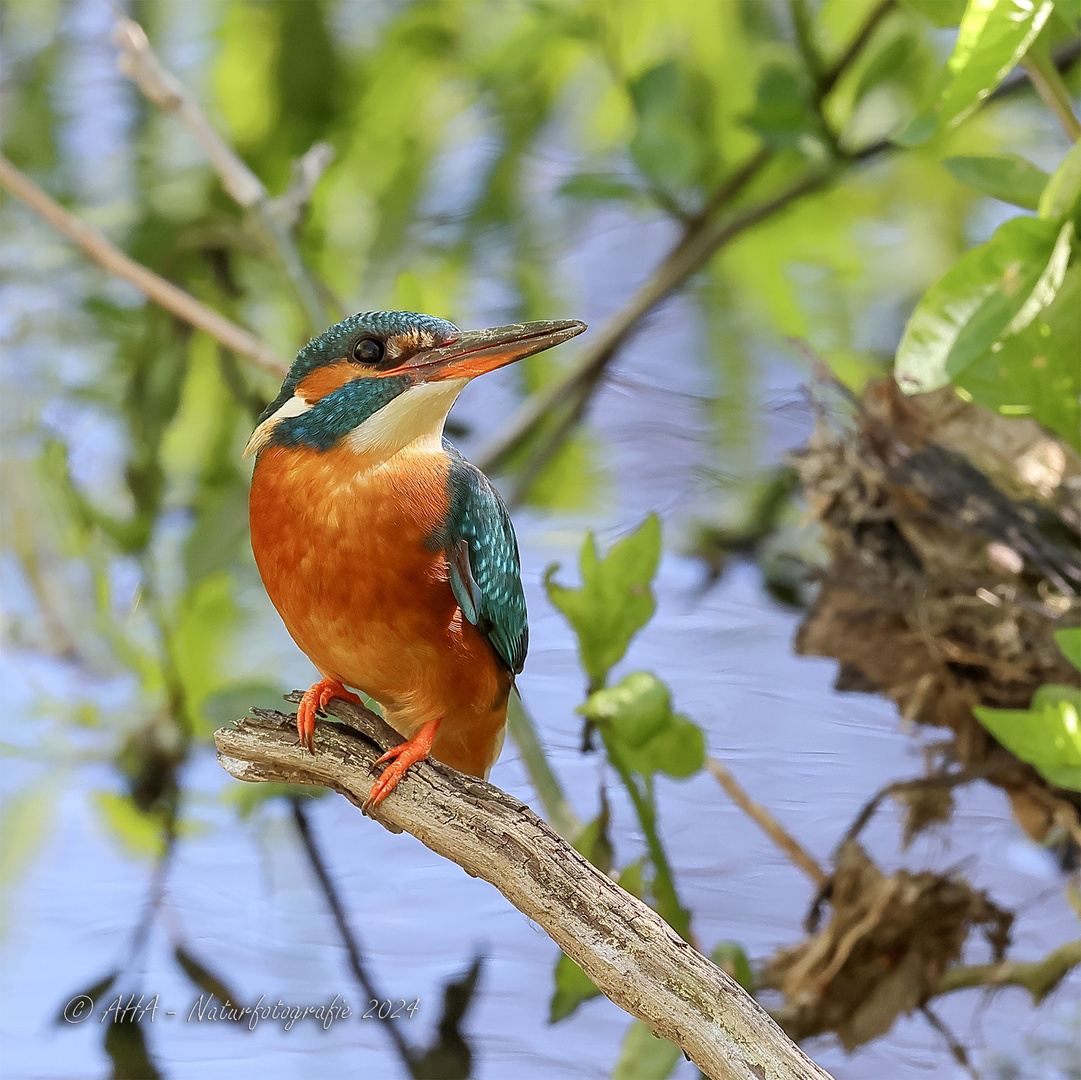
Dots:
(883, 951)
(952, 536)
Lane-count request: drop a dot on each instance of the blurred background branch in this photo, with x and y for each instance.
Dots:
(138, 62)
(182, 304)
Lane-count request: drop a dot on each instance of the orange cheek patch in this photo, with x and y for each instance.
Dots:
(326, 380)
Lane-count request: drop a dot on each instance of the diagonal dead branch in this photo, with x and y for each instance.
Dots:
(154, 287)
(138, 61)
(624, 946)
(765, 820)
(689, 255)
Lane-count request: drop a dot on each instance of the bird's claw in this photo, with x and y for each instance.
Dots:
(313, 703)
(400, 757)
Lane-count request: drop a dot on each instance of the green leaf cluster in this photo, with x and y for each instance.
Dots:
(636, 721)
(1047, 735)
(615, 599)
(993, 37)
(1002, 325)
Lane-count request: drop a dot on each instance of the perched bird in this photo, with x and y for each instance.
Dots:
(390, 558)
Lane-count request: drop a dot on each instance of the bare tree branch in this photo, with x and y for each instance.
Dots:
(688, 256)
(635, 957)
(953, 1044)
(765, 820)
(138, 61)
(1038, 977)
(154, 287)
(1044, 76)
(569, 395)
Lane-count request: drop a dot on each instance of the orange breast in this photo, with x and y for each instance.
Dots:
(342, 553)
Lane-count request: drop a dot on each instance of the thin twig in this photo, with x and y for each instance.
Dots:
(345, 931)
(762, 817)
(942, 781)
(685, 259)
(803, 24)
(154, 287)
(730, 190)
(625, 947)
(308, 170)
(833, 73)
(1044, 76)
(953, 1044)
(138, 61)
(1038, 977)
(155, 895)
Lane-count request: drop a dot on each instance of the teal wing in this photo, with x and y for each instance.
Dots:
(482, 553)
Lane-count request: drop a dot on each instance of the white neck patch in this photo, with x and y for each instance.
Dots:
(415, 416)
(295, 406)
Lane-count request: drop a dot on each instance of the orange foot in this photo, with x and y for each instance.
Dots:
(315, 701)
(403, 755)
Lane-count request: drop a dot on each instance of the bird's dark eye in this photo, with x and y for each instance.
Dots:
(368, 351)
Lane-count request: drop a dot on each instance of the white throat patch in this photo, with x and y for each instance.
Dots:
(295, 406)
(416, 415)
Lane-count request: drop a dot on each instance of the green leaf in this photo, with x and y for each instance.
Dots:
(205, 979)
(645, 1056)
(1069, 641)
(665, 145)
(24, 823)
(615, 600)
(573, 986)
(993, 37)
(1008, 177)
(449, 1056)
(125, 1043)
(636, 722)
(1047, 735)
(942, 13)
(732, 960)
(94, 991)
(634, 710)
(782, 115)
(679, 750)
(1063, 191)
(962, 316)
(1035, 372)
(207, 615)
(598, 186)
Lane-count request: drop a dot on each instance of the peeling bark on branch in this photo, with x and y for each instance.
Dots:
(635, 958)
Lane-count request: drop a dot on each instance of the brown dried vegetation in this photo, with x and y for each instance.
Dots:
(953, 557)
(952, 542)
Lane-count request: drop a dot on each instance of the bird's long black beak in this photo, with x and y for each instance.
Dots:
(473, 352)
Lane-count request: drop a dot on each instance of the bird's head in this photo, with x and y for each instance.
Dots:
(384, 379)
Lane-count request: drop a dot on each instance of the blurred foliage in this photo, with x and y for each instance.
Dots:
(475, 144)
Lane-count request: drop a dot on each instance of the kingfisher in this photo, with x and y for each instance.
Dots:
(391, 559)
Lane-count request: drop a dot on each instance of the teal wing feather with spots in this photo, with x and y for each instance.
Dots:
(482, 553)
